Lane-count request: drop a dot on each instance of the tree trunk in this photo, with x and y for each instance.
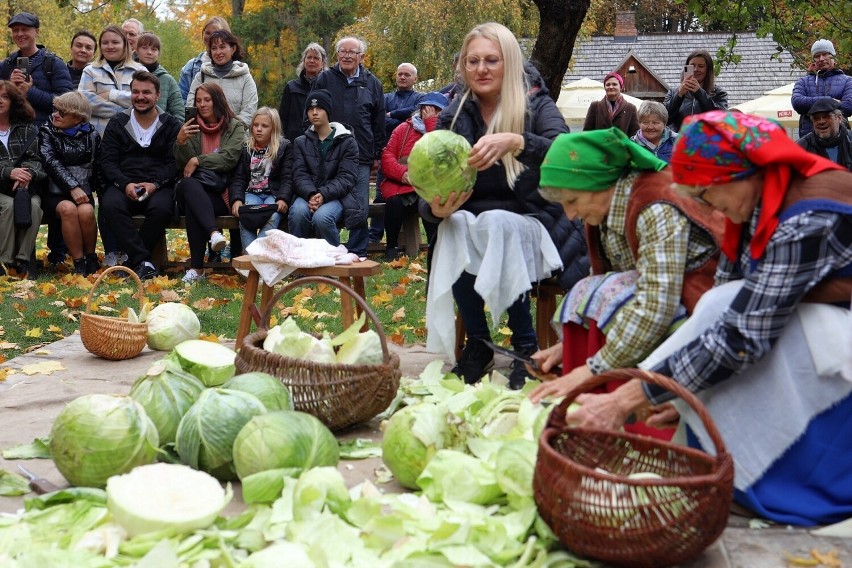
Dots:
(557, 32)
(237, 7)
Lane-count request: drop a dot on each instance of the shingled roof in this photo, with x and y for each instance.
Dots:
(663, 55)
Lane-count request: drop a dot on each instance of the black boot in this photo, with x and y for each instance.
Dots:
(518, 376)
(80, 266)
(92, 263)
(392, 253)
(476, 360)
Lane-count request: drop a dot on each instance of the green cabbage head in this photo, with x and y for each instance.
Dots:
(438, 165)
(170, 324)
(166, 392)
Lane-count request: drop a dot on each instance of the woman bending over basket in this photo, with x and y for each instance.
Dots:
(775, 325)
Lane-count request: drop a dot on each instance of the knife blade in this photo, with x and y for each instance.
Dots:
(38, 484)
(554, 371)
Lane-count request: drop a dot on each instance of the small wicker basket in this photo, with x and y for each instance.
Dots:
(339, 395)
(583, 489)
(110, 337)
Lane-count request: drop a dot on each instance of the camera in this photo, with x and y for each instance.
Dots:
(24, 66)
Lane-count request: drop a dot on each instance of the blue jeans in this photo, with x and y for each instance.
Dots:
(323, 221)
(472, 311)
(360, 236)
(247, 237)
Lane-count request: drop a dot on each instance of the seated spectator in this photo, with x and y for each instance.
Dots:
(653, 134)
(830, 137)
(325, 170)
(207, 151)
(70, 150)
(139, 170)
(612, 109)
(148, 53)
(400, 199)
(264, 174)
(83, 47)
(20, 169)
(697, 92)
(193, 66)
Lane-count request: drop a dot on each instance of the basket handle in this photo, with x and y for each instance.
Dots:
(557, 416)
(264, 319)
(117, 268)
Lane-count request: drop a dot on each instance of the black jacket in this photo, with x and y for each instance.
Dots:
(60, 150)
(124, 161)
(361, 105)
(334, 177)
(543, 123)
(294, 121)
(701, 101)
(280, 177)
(811, 143)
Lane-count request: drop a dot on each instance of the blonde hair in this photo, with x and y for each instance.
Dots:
(512, 102)
(275, 138)
(75, 103)
(218, 21)
(319, 50)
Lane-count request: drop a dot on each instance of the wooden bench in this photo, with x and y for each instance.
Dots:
(350, 274)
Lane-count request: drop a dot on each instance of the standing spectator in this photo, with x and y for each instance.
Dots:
(325, 165)
(132, 29)
(20, 169)
(193, 66)
(227, 69)
(264, 174)
(452, 89)
(696, 93)
(359, 103)
(70, 150)
(83, 47)
(653, 134)
(148, 52)
(292, 109)
(207, 150)
(830, 137)
(612, 110)
(824, 79)
(139, 170)
(397, 190)
(46, 75)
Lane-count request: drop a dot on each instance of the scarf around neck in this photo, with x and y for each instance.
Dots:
(211, 135)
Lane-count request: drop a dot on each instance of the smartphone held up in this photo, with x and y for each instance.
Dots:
(23, 65)
(688, 72)
(190, 113)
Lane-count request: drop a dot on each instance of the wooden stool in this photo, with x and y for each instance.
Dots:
(350, 274)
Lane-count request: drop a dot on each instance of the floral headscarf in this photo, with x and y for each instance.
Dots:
(719, 147)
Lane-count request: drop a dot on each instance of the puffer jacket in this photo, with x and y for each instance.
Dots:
(693, 103)
(334, 177)
(294, 120)
(238, 85)
(395, 157)
(59, 151)
(833, 83)
(170, 99)
(280, 176)
(99, 79)
(543, 123)
(40, 94)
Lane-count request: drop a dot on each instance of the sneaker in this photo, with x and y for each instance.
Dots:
(92, 263)
(217, 241)
(518, 376)
(193, 275)
(145, 270)
(111, 259)
(476, 360)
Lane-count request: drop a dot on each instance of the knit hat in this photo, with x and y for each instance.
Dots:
(823, 46)
(434, 99)
(594, 160)
(618, 77)
(824, 104)
(319, 98)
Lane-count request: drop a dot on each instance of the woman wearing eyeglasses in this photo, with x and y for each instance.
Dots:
(495, 240)
(765, 347)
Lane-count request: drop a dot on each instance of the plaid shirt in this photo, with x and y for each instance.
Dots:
(804, 250)
(20, 133)
(667, 249)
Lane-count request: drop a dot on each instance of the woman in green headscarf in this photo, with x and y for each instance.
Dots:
(653, 253)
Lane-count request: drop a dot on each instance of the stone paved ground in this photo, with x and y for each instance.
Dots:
(29, 403)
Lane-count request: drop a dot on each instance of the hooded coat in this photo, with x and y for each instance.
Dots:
(238, 85)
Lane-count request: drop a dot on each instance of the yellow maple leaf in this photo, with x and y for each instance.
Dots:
(47, 289)
(43, 368)
(5, 372)
(54, 329)
(204, 304)
(33, 332)
(305, 313)
(273, 321)
(381, 298)
(399, 314)
(209, 337)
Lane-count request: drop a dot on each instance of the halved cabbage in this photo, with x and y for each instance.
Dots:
(210, 362)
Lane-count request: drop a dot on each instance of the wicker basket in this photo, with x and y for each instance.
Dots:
(109, 337)
(583, 491)
(339, 395)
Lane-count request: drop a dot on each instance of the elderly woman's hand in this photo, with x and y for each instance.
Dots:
(548, 358)
(451, 205)
(492, 147)
(559, 387)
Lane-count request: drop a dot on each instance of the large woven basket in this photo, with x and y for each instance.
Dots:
(111, 337)
(583, 491)
(339, 395)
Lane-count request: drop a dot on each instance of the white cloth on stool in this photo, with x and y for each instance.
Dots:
(507, 252)
(279, 254)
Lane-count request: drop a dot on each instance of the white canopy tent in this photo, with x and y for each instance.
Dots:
(576, 97)
(775, 105)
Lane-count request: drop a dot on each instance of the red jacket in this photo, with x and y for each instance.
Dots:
(395, 155)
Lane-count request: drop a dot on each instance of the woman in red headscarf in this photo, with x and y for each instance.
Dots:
(765, 347)
(612, 110)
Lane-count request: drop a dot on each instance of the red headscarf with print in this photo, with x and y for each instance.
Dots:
(719, 147)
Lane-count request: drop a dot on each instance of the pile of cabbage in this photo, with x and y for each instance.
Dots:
(349, 348)
(470, 451)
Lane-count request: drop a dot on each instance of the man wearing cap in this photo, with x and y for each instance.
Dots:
(43, 75)
(360, 104)
(831, 138)
(824, 79)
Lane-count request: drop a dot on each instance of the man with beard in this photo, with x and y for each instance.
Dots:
(831, 138)
(139, 169)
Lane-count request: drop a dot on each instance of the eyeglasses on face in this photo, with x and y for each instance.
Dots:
(472, 62)
(348, 53)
